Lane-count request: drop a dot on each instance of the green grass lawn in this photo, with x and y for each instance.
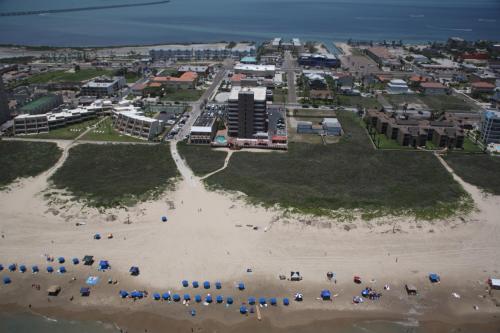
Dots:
(348, 175)
(354, 101)
(183, 95)
(201, 158)
(68, 132)
(105, 132)
(280, 96)
(25, 159)
(116, 175)
(478, 169)
(436, 103)
(131, 77)
(63, 76)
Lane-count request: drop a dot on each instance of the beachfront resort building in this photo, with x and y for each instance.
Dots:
(490, 127)
(133, 123)
(201, 52)
(103, 86)
(247, 112)
(42, 104)
(187, 80)
(329, 126)
(43, 123)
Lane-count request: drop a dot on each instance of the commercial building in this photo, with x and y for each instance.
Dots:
(384, 58)
(200, 70)
(249, 60)
(397, 87)
(4, 104)
(319, 60)
(329, 126)
(255, 70)
(481, 87)
(42, 104)
(247, 111)
(203, 130)
(134, 123)
(490, 127)
(42, 123)
(187, 80)
(433, 88)
(103, 86)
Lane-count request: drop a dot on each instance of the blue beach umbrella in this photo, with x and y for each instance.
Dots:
(251, 300)
(1, 267)
(6, 280)
(61, 260)
(165, 296)
(75, 261)
(187, 297)
(12, 267)
(62, 270)
(208, 299)
(34, 269)
(123, 293)
(218, 285)
(195, 284)
(273, 301)
(241, 286)
(156, 296)
(206, 285)
(185, 283)
(229, 300)
(286, 301)
(219, 299)
(197, 298)
(50, 269)
(176, 297)
(262, 300)
(22, 268)
(243, 309)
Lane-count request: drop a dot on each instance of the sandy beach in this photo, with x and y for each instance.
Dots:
(217, 236)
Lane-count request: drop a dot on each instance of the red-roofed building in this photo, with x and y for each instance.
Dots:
(482, 88)
(236, 79)
(186, 81)
(433, 88)
(416, 80)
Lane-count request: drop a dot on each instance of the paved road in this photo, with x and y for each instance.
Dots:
(197, 106)
(289, 66)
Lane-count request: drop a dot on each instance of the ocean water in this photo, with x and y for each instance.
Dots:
(26, 323)
(256, 20)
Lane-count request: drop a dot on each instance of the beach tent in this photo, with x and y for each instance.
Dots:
(97, 236)
(286, 301)
(365, 292)
(134, 270)
(299, 297)
(176, 297)
(243, 309)
(195, 284)
(219, 299)
(229, 300)
(103, 265)
(357, 279)
(165, 296)
(75, 261)
(50, 269)
(241, 286)
(218, 285)
(208, 299)
(123, 293)
(206, 285)
(295, 276)
(136, 294)
(61, 260)
(22, 268)
(54, 290)
(273, 301)
(185, 283)
(326, 295)
(357, 300)
(62, 270)
(193, 312)
(156, 296)
(92, 280)
(434, 278)
(164, 219)
(88, 260)
(262, 300)
(187, 297)
(12, 267)
(85, 291)
(251, 300)
(34, 269)
(6, 280)
(197, 298)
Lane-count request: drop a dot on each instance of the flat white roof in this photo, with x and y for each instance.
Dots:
(251, 67)
(259, 92)
(137, 116)
(202, 129)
